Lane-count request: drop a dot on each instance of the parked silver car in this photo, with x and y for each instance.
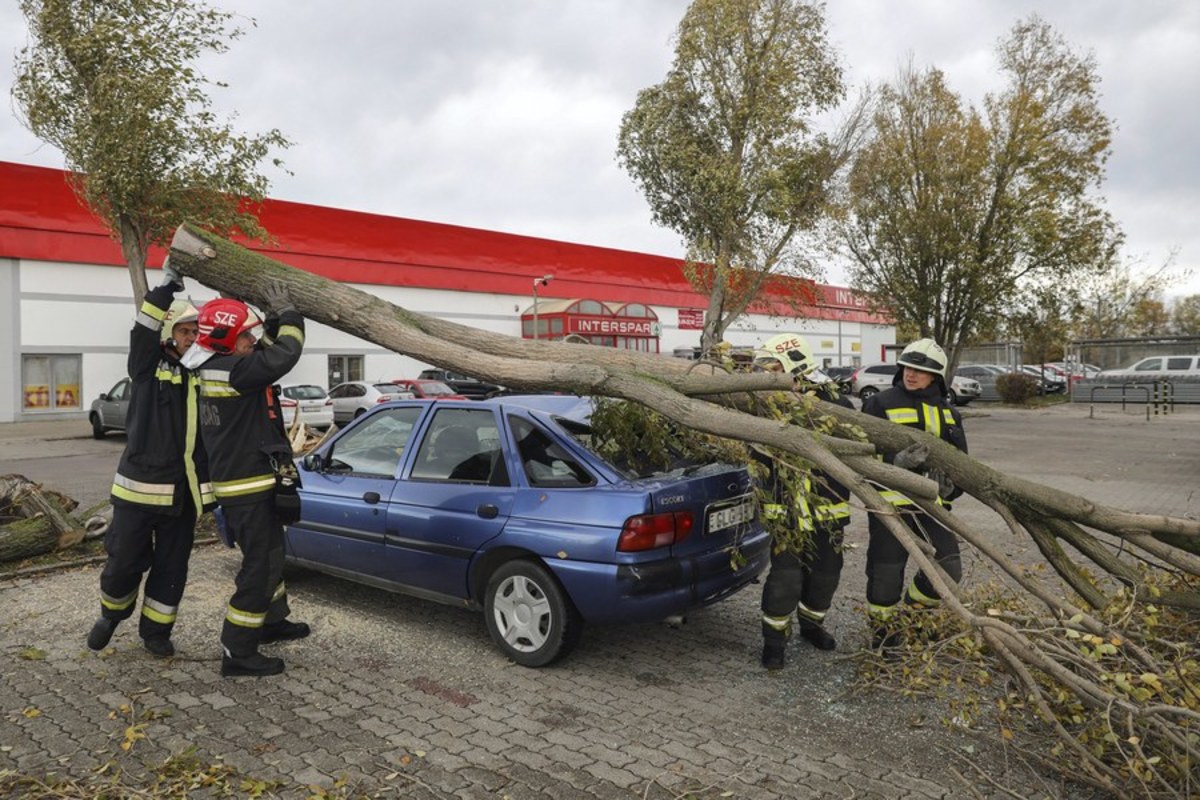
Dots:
(867, 381)
(352, 399)
(109, 410)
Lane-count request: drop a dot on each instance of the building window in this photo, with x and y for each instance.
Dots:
(51, 383)
(345, 368)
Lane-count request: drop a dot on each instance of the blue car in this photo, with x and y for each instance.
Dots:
(500, 505)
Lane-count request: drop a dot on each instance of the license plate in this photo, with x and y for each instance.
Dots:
(741, 512)
(312, 406)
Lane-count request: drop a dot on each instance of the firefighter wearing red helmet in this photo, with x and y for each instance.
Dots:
(802, 583)
(917, 399)
(243, 433)
(162, 479)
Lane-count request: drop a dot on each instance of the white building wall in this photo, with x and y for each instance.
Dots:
(55, 308)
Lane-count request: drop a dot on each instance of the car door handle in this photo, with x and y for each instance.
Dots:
(487, 511)
(371, 497)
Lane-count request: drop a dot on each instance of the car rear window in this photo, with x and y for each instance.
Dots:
(304, 392)
(389, 388)
(547, 464)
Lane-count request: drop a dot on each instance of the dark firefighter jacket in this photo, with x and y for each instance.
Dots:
(927, 410)
(239, 414)
(824, 501)
(164, 458)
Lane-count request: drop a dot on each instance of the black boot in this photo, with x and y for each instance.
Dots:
(816, 635)
(101, 633)
(774, 653)
(284, 631)
(255, 665)
(159, 645)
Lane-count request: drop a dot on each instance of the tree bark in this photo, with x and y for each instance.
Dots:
(36, 520)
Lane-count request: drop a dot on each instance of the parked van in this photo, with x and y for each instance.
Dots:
(1155, 368)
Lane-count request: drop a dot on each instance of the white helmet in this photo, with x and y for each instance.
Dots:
(925, 355)
(791, 350)
(181, 311)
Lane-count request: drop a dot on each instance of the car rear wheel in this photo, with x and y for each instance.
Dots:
(97, 428)
(529, 616)
(952, 397)
(358, 412)
(867, 391)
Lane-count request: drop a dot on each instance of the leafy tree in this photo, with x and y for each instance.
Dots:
(724, 149)
(1185, 316)
(1107, 306)
(953, 211)
(114, 87)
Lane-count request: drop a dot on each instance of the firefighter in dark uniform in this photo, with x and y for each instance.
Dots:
(244, 435)
(802, 582)
(917, 399)
(162, 479)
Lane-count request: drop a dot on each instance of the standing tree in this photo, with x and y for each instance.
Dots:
(114, 87)
(1185, 316)
(953, 211)
(724, 148)
(1107, 306)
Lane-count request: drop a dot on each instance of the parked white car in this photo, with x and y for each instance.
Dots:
(867, 381)
(311, 401)
(355, 398)
(1154, 368)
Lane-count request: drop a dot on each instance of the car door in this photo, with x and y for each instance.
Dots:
(114, 409)
(454, 496)
(344, 504)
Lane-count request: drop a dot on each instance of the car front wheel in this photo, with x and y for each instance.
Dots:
(952, 397)
(97, 428)
(529, 616)
(867, 391)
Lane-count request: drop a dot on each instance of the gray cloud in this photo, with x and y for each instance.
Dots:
(504, 115)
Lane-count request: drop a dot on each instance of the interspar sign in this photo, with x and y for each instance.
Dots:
(609, 326)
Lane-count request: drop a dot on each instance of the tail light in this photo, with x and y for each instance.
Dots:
(328, 401)
(384, 398)
(648, 531)
(287, 403)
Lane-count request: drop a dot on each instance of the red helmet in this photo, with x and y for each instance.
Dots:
(222, 321)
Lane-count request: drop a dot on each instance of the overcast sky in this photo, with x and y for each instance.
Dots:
(503, 114)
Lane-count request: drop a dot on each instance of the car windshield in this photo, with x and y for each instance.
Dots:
(434, 388)
(304, 392)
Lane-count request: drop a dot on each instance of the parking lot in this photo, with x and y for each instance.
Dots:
(406, 698)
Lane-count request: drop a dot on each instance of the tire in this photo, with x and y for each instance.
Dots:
(358, 412)
(97, 428)
(529, 616)
(953, 398)
(867, 391)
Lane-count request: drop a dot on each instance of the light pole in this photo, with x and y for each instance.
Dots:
(542, 281)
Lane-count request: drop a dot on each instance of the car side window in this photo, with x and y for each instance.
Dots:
(547, 464)
(337, 391)
(1179, 363)
(375, 447)
(463, 446)
(1150, 364)
(120, 391)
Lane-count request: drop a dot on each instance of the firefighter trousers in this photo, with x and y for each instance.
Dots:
(804, 582)
(260, 596)
(139, 540)
(887, 558)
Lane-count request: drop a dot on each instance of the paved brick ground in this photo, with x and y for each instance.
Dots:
(410, 698)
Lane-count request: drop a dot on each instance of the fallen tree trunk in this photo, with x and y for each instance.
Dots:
(707, 399)
(37, 520)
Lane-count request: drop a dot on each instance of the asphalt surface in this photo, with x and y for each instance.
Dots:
(406, 698)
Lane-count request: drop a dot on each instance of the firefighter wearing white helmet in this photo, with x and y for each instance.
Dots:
(917, 399)
(801, 583)
(161, 483)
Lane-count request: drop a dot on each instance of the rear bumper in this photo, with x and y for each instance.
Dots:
(610, 593)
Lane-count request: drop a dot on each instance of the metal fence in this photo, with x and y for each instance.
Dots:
(1118, 353)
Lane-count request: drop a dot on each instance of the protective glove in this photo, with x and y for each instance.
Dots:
(276, 296)
(911, 457)
(171, 275)
(945, 485)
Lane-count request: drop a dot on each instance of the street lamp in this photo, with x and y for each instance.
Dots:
(542, 281)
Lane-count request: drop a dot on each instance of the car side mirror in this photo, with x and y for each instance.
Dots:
(104, 397)
(313, 462)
